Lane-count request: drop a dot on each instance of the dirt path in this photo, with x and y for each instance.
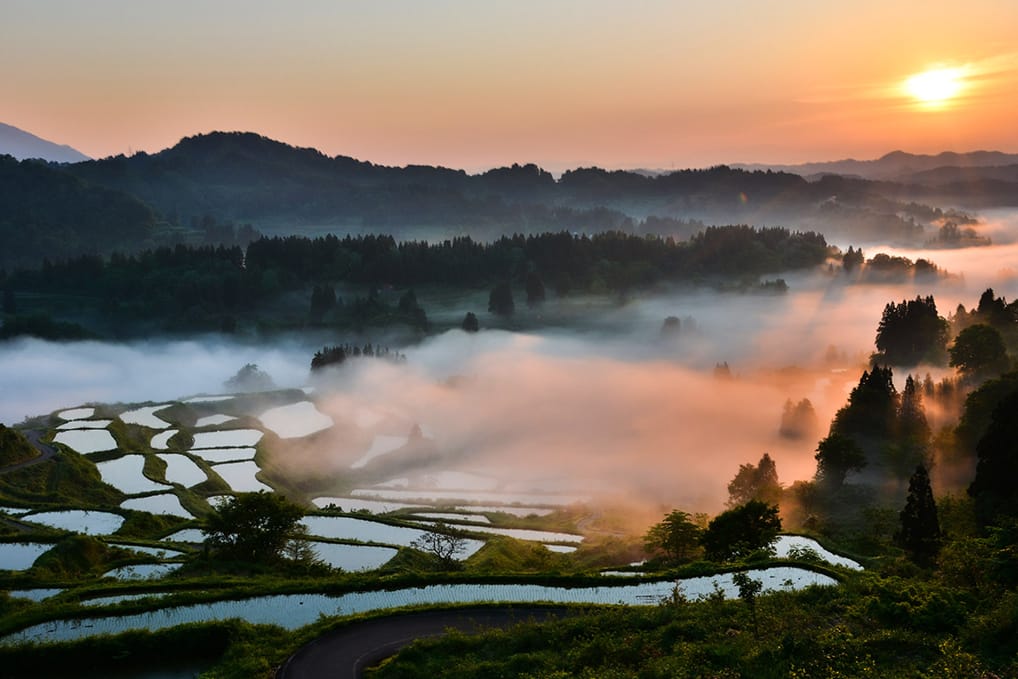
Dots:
(346, 652)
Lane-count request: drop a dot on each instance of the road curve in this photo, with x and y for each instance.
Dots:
(46, 451)
(346, 652)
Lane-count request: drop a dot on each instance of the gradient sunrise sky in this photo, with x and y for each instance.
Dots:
(476, 84)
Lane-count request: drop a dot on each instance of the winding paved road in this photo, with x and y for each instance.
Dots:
(46, 451)
(345, 653)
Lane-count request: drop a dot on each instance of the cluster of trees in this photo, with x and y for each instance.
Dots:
(912, 332)
(47, 213)
(734, 534)
(338, 355)
(206, 287)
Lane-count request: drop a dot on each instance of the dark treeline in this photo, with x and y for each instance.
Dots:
(48, 212)
(165, 280)
(196, 192)
(247, 177)
(339, 354)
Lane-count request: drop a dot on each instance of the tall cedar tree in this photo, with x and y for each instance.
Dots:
(500, 301)
(993, 487)
(919, 534)
(912, 332)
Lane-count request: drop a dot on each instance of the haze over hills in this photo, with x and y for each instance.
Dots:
(207, 182)
(22, 145)
(247, 177)
(895, 166)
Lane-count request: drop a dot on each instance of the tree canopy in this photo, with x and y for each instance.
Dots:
(740, 531)
(912, 332)
(919, 534)
(979, 351)
(676, 537)
(755, 482)
(254, 527)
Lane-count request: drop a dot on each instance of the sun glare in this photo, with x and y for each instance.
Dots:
(936, 86)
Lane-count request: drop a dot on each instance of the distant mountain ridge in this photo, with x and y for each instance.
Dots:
(21, 144)
(893, 166)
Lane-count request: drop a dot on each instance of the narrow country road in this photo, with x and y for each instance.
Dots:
(46, 451)
(346, 652)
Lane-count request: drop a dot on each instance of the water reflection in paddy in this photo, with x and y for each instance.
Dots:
(297, 610)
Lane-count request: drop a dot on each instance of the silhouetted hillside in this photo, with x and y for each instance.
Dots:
(48, 213)
(277, 187)
(894, 166)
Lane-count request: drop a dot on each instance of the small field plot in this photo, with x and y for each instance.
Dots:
(355, 504)
(161, 441)
(240, 476)
(190, 535)
(450, 517)
(786, 545)
(348, 528)
(85, 424)
(228, 438)
(87, 440)
(181, 469)
(295, 420)
(79, 521)
(125, 474)
(145, 417)
(145, 571)
(76, 413)
(39, 594)
(213, 420)
(165, 503)
(19, 556)
(219, 455)
(353, 557)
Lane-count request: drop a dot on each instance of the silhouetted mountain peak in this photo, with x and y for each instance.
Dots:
(20, 144)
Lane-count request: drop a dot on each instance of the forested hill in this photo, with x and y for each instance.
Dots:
(48, 213)
(249, 178)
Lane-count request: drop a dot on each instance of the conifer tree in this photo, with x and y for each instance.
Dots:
(919, 534)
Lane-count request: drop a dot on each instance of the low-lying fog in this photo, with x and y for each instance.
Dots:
(621, 410)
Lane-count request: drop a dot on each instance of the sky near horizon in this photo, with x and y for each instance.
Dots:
(474, 85)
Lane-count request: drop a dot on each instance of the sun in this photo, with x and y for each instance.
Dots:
(935, 87)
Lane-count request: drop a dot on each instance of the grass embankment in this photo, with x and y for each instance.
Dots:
(871, 626)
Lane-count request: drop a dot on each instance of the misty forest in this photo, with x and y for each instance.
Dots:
(722, 422)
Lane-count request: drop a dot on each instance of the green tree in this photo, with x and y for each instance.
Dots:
(677, 537)
(254, 527)
(749, 589)
(852, 259)
(759, 482)
(919, 534)
(872, 408)
(978, 352)
(535, 289)
(912, 332)
(836, 456)
(740, 531)
(993, 488)
(470, 323)
(500, 301)
(798, 420)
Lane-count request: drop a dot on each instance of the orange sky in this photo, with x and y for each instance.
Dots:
(479, 84)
